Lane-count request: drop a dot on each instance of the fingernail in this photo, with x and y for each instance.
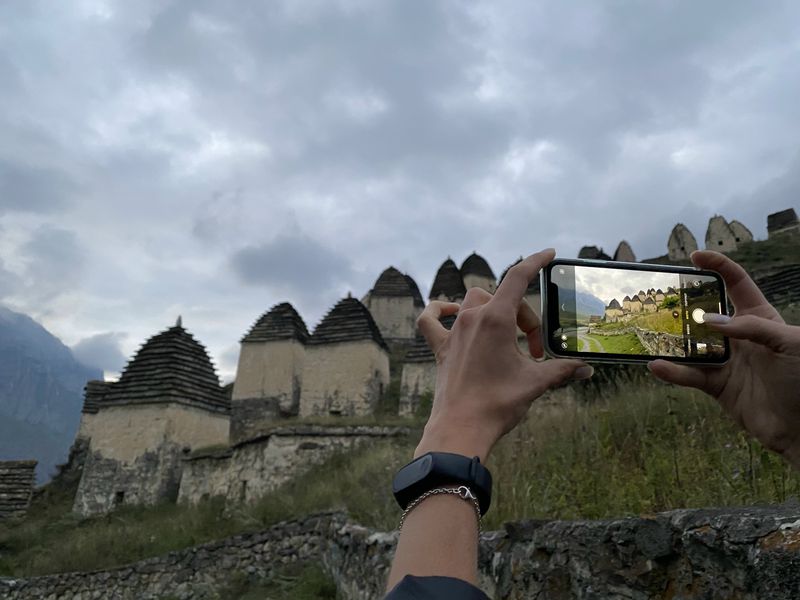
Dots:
(716, 318)
(583, 372)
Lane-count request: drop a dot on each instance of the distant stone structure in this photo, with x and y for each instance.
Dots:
(681, 243)
(167, 402)
(782, 223)
(249, 469)
(395, 303)
(448, 285)
(720, 236)
(649, 301)
(93, 393)
(347, 363)
(624, 252)
(270, 371)
(741, 234)
(593, 252)
(476, 272)
(17, 478)
(418, 377)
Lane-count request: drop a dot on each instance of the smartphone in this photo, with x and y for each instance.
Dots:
(611, 311)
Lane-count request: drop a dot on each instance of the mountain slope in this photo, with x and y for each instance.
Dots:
(41, 388)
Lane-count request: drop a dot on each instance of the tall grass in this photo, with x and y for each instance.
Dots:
(651, 448)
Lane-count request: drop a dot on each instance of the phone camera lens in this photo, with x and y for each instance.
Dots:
(564, 345)
(696, 283)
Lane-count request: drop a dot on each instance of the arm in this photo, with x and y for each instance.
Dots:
(758, 387)
(484, 387)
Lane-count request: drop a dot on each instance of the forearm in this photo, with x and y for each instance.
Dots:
(439, 537)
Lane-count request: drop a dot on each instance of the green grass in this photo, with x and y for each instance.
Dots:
(648, 448)
(626, 343)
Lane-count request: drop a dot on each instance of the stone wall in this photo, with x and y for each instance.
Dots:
(417, 380)
(17, 478)
(396, 316)
(135, 451)
(714, 554)
(268, 384)
(472, 280)
(661, 344)
(344, 379)
(250, 469)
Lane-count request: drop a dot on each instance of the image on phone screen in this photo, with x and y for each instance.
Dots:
(622, 312)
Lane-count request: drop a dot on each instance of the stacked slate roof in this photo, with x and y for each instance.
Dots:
(614, 304)
(17, 478)
(534, 287)
(348, 321)
(781, 287)
(170, 367)
(93, 394)
(281, 322)
(448, 282)
(779, 220)
(418, 301)
(420, 352)
(593, 252)
(475, 264)
(392, 283)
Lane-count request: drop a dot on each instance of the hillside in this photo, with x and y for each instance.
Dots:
(41, 388)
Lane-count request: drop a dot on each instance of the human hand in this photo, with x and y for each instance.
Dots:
(484, 382)
(760, 385)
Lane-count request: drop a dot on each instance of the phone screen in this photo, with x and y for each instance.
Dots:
(636, 312)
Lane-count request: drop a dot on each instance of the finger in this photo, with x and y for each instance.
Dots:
(775, 336)
(515, 283)
(552, 373)
(743, 291)
(684, 375)
(475, 297)
(431, 327)
(530, 323)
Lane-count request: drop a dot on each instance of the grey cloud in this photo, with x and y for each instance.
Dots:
(32, 189)
(298, 264)
(55, 262)
(101, 351)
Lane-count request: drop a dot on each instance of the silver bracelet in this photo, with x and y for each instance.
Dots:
(461, 491)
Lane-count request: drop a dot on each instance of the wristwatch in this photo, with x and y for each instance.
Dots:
(435, 469)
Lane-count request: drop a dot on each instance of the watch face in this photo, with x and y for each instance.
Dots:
(413, 472)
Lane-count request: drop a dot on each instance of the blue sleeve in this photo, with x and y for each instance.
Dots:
(434, 588)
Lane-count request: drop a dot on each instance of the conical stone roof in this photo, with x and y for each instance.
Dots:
(93, 393)
(393, 283)
(420, 352)
(418, 301)
(614, 304)
(281, 322)
(170, 367)
(448, 282)
(475, 264)
(348, 321)
(593, 252)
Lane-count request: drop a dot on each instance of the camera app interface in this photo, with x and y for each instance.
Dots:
(644, 313)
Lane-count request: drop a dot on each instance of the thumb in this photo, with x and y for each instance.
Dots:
(772, 334)
(554, 372)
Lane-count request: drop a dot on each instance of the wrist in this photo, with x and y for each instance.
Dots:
(464, 440)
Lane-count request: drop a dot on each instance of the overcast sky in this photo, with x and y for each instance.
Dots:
(211, 159)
